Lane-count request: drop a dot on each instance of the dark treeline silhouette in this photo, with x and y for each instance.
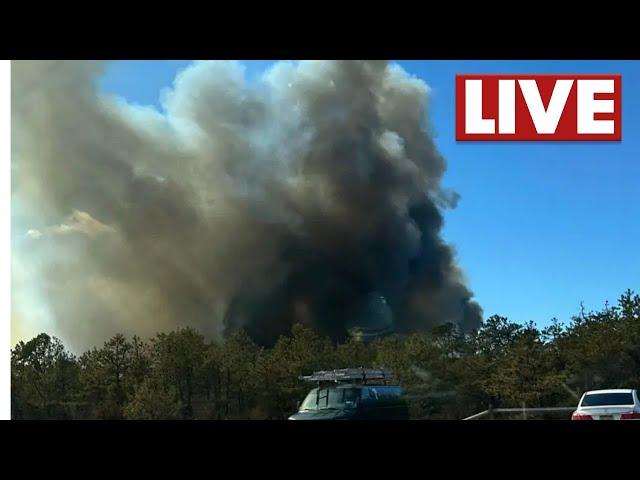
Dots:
(447, 375)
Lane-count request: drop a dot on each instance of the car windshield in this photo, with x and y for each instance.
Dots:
(602, 399)
(333, 397)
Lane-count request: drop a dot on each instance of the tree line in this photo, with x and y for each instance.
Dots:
(447, 374)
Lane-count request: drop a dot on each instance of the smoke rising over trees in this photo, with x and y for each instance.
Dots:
(242, 205)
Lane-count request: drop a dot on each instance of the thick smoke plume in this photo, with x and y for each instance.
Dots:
(251, 205)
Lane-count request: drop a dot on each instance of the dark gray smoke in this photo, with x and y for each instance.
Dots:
(294, 199)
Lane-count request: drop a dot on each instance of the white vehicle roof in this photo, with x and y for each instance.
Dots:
(611, 390)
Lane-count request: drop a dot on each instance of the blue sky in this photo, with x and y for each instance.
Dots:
(540, 227)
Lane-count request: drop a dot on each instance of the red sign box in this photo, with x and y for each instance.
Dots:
(539, 107)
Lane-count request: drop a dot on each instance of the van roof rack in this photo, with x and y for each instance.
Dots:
(349, 375)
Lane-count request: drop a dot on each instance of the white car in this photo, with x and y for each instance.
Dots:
(614, 404)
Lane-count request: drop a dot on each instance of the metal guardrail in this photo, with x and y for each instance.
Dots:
(524, 411)
(484, 413)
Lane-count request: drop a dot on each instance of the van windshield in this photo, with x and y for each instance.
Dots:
(332, 397)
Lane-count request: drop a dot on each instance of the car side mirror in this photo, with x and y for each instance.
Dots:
(298, 405)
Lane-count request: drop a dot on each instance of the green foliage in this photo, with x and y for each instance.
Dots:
(104, 374)
(44, 376)
(447, 374)
(151, 401)
(177, 359)
(277, 370)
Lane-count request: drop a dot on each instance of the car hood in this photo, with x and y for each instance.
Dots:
(324, 414)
